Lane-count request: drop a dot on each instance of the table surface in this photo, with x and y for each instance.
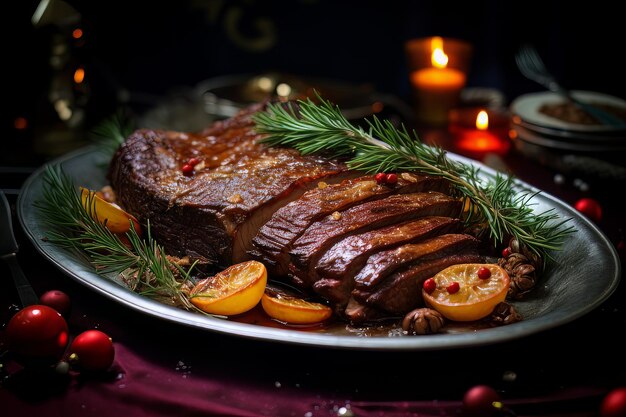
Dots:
(162, 368)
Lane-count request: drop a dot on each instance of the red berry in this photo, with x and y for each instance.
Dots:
(57, 300)
(484, 272)
(453, 288)
(37, 334)
(506, 252)
(614, 403)
(478, 401)
(391, 178)
(92, 350)
(381, 178)
(590, 208)
(430, 285)
(187, 170)
(193, 162)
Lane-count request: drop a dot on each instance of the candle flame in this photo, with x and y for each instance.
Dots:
(482, 120)
(438, 58)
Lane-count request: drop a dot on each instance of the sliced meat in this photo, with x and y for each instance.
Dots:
(370, 271)
(348, 256)
(383, 263)
(321, 235)
(214, 213)
(274, 239)
(401, 292)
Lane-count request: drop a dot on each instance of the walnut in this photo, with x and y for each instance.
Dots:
(522, 266)
(423, 321)
(503, 313)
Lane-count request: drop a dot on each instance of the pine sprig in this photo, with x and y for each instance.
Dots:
(500, 203)
(144, 264)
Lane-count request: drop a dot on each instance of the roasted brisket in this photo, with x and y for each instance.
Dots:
(364, 246)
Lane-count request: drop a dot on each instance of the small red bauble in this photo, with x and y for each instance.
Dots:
(193, 162)
(478, 401)
(430, 285)
(506, 252)
(37, 334)
(58, 300)
(590, 208)
(92, 350)
(484, 272)
(614, 403)
(453, 288)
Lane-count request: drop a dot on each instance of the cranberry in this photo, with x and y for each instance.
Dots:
(381, 177)
(506, 252)
(430, 285)
(391, 178)
(453, 288)
(193, 162)
(484, 272)
(187, 170)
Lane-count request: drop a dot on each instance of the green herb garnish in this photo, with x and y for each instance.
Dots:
(500, 203)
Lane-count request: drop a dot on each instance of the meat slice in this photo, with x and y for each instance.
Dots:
(401, 292)
(274, 239)
(213, 214)
(348, 256)
(321, 235)
(368, 271)
(383, 263)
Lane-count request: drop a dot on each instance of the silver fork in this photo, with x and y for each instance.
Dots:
(532, 67)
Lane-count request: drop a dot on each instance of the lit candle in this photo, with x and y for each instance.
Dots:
(438, 78)
(438, 86)
(482, 139)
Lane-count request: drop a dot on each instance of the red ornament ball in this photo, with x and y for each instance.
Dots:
(92, 351)
(614, 403)
(58, 300)
(37, 334)
(590, 208)
(478, 401)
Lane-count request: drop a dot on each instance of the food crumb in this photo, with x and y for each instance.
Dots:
(322, 185)
(235, 199)
(336, 215)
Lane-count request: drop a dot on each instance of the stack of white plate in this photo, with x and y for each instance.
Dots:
(593, 148)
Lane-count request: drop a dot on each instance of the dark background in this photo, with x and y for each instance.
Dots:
(134, 53)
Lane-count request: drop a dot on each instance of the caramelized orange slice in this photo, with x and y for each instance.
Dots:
(467, 292)
(110, 215)
(232, 291)
(294, 310)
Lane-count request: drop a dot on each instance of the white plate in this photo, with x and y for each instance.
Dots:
(564, 294)
(527, 108)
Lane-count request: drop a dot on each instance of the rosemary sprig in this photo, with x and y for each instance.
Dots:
(500, 202)
(109, 134)
(144, 265)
